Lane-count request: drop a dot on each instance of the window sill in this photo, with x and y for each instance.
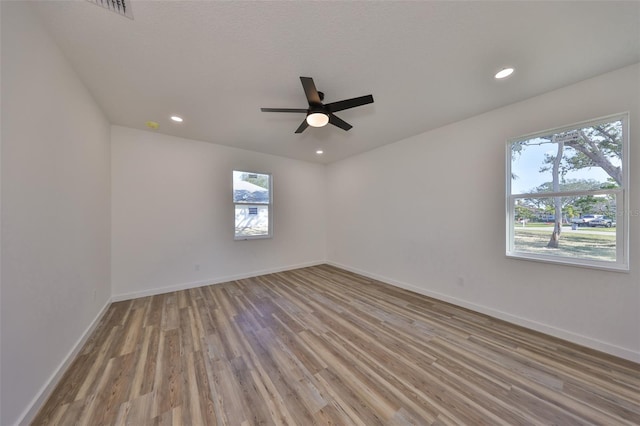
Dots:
(589, 264)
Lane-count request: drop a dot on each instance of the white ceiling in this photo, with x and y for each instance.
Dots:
(427, 64)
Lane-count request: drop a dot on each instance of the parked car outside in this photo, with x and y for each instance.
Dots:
(586, 219)
(604, 221)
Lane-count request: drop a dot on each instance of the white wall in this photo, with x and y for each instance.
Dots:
(428, 213)
(55, 211)
(172, 210)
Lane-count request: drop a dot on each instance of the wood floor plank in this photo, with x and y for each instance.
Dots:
(323, 346)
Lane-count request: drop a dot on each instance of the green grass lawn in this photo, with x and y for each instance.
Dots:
(572, 244)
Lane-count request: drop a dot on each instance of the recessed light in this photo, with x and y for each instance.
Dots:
(504, 73)
(177, 119)
(319, 152)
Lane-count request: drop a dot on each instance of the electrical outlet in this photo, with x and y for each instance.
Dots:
(196, 267)
(460, 282)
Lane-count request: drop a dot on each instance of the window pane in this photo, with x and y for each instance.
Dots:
(589, 158)
(588, 227)
(251, 188)
(566, 195)
(252, 220)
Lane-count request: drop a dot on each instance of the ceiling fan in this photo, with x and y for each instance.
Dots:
(319, 114)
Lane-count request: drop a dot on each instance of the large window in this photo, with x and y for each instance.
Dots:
(252, 201)
(567, 194)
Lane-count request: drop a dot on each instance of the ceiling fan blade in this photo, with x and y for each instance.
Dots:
(283, 110)
(303, 126)
(349, 103)
(313, 97)
(339, 122)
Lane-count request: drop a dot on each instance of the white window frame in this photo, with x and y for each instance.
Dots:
(622, 202)
(269, 206)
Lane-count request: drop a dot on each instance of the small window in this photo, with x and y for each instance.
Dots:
(567, 195)
(252, 202)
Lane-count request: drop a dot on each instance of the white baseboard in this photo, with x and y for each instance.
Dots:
(45, 391)
(579, 339)
(212, 281)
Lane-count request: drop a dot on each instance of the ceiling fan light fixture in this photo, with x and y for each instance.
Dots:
(317, 119)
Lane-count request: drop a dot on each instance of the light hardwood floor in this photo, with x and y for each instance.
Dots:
(323, 346)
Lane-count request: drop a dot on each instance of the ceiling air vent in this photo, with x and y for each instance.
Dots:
(121, 7)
